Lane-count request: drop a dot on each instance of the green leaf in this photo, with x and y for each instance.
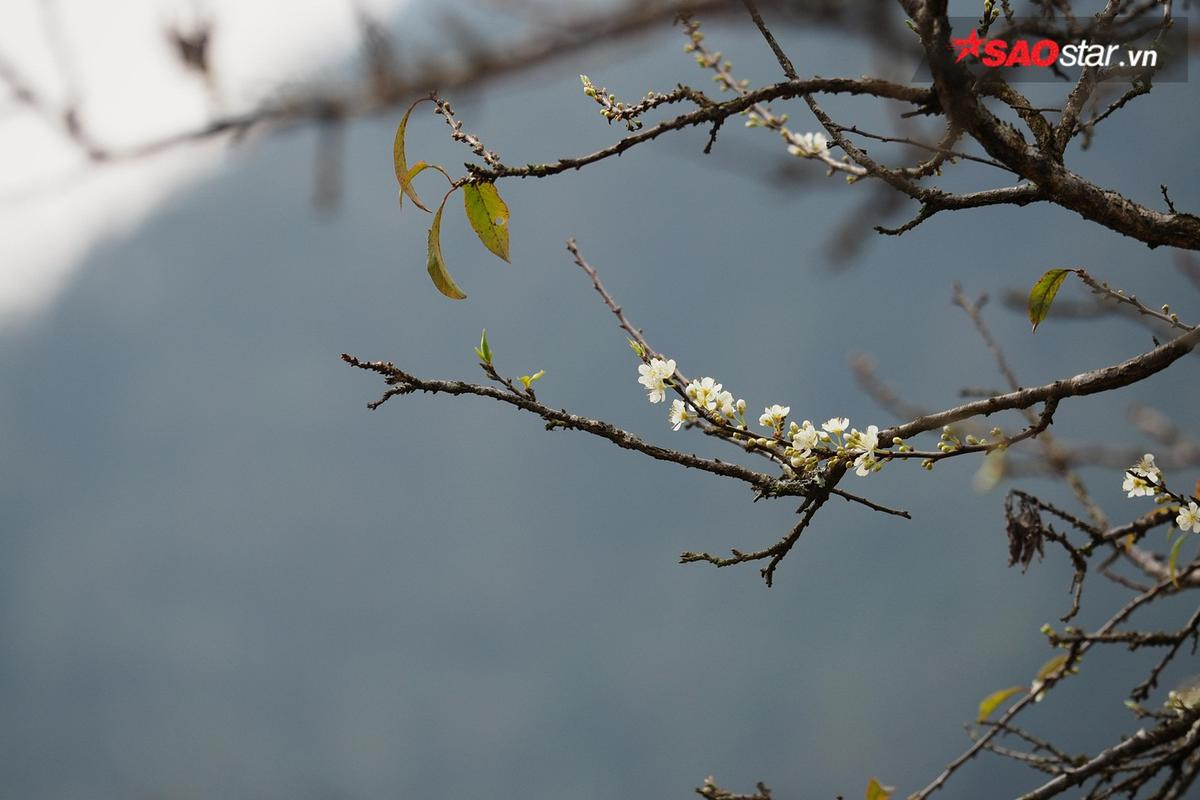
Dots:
(437, 266)
(877, 791)
(400, 164)
(1173, 561)
(1043, 292)
(488, 215)
(989, 704)
(484, 351)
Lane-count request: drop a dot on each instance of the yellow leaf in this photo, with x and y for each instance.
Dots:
(406, 185)
(488, 215)
(528, 380)
(1043, 292)
(415, 170)
(399, 162)
(877, 791)
(437, 266)
(989, 704)
(1051, 667)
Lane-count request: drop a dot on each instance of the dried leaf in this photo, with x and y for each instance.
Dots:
(1025, 532)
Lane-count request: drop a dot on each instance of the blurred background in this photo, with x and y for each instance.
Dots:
(222, 576)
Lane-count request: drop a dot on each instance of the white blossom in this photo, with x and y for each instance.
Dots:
(864, 464)
(802, 443)
(807, 145)
(725, 405)
(866, 441)
(836, 425)
(654, 377)
(1189, 518)
(1138, 478)
(704, 393)
(805, 439)
(773, 416)
(679, 414)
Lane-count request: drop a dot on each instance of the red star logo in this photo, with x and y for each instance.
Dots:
(967, 46)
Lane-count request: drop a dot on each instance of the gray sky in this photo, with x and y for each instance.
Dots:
(223, 576)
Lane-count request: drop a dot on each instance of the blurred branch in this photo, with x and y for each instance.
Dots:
(385, 86)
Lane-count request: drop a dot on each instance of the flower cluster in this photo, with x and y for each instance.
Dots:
(802, 445)
(805, 438)
(866, 443)
(702, 395)
(654, 377)
(806, 145)
(861, 444)
(1143, 478)
(706, 393)
(774, 416)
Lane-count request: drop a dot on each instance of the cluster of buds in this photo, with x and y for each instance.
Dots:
(459, 135)
(711, 60)
(613, 109)
(801, 145)
(949, 441)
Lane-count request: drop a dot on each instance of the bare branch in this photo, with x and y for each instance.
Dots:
(404, 383)
(1098, 380)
